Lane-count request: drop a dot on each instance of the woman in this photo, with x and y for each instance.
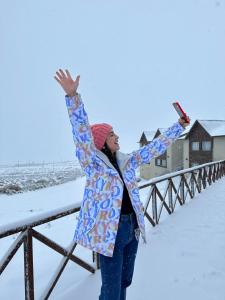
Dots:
(111, 217)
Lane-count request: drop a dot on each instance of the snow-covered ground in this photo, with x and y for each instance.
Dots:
(183, 259)
(28, 177)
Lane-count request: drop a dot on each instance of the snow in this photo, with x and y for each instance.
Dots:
(150, 135)
(17, 207)
(37, 218)
(185, 132)
(214, 127)
(28, 177)
(185, 255)
(183, 259)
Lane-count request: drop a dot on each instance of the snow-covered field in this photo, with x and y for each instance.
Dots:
(183, 259)
(28, 177)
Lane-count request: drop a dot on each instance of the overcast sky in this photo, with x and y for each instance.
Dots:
(134, 58)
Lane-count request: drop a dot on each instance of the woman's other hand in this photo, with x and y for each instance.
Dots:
(67, 83)
(183, 122)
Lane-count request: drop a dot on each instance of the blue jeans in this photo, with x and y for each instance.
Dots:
(117, 271)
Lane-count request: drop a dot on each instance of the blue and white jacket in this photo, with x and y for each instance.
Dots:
(100, 210)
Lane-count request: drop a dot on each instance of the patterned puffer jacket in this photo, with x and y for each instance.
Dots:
(100, 210)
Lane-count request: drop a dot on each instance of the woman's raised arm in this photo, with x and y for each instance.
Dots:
(85, 148)
(158, 146)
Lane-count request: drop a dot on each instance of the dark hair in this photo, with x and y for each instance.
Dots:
(105, 149)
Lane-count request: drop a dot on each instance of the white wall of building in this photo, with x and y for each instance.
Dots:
(177, 156)
(186, 154)
(174, 162)
(218, 148)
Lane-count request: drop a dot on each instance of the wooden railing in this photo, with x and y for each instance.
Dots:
(179, 186)
(26, 234)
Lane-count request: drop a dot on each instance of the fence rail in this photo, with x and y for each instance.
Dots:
(179, 186)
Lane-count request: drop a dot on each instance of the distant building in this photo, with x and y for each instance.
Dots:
(146, 137)
(170, 161)
(203, 142)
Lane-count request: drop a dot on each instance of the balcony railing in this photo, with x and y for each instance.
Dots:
(178, 187)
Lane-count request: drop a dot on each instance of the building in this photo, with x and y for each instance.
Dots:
(170, 161)
(203, 142)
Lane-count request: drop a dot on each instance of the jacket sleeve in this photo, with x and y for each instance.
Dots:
(85, 148)
(157, 147)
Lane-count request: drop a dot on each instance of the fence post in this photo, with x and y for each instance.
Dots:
(182, 189)
(218, 171)
(200, 179)
(170, 195)
(154, 205)
(204, 177)
(28, 266)
(210, 175)
(192, 185)
(95, 256)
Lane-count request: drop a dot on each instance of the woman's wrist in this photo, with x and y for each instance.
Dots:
(72, 94)
(182, 123)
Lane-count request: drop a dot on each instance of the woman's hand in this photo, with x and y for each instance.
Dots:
(183, 122)
(67, 83)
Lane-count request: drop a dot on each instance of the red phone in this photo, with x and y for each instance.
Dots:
(181, 112)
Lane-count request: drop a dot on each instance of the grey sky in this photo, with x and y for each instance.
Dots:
(134, 58)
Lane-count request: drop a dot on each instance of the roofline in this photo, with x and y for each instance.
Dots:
(203, 128)
(190, 129)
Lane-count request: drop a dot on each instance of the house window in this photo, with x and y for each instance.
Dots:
(206, 146)
(163, 161)
(160, 162)
(195, 146)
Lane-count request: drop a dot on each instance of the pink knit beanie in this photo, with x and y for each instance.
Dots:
(100, 133)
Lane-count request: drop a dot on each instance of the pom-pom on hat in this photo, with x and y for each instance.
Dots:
(100, 133)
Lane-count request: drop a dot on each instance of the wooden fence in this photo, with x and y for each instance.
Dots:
(177, 188)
